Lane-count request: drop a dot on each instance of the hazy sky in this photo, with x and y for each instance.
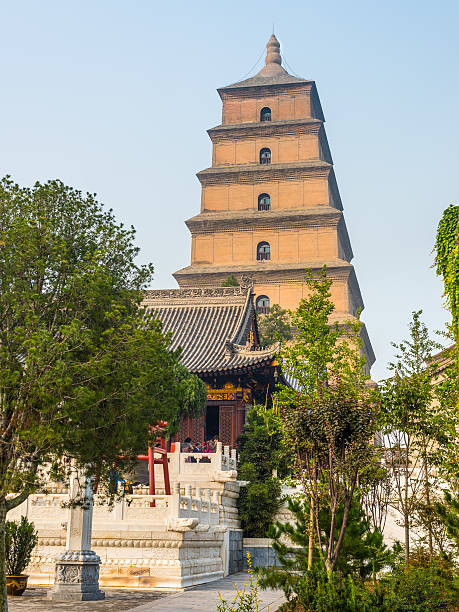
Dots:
(115, 98)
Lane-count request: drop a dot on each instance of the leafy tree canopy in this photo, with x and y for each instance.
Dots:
(230, 281)
(83, 368)
(447, 260)
(274, 326)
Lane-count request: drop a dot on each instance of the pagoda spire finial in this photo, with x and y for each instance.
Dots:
(273, 61)
(273, 55)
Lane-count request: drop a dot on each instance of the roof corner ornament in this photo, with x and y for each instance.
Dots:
(247, 281)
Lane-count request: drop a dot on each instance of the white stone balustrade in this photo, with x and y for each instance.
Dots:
(197, 464)
(205, 508)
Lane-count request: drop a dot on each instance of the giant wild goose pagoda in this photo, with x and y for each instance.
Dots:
(270, 210)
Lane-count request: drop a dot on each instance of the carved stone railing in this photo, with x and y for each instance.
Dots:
(200, 505)
(203, 505)
(181, 463)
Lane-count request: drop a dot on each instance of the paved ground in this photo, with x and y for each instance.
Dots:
(34, 598)
(204, 598)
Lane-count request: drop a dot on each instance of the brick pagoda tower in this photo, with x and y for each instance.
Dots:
(270, 204)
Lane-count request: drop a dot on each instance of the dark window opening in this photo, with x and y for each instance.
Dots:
(262, 304)
(263, 251)
(265, 156)
(264, 201)
(265, 114)
(212, 422)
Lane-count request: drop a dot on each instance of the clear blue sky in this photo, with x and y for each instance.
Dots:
(115, 98)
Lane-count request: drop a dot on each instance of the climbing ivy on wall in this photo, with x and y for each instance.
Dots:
(447, 261)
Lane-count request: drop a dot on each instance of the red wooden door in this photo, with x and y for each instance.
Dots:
(226, 426)
(197, 429)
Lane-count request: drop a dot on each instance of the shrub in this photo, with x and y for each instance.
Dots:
(258, 503)
(427, 584)
(261, 453)
(230, 281)
(322, 592)
(20, 540)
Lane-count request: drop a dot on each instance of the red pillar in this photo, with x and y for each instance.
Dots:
(151, 474)
(167, 483)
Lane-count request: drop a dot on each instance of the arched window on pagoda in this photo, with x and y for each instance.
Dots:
(262, 304)
(265, 114)
(265, 156)
(264, 201)
(263, 251)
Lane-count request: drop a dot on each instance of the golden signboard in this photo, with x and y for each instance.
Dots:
(228, 393)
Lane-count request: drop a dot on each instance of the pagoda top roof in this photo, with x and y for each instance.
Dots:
(212, 326)
(271, 74)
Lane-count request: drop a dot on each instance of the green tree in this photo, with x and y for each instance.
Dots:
(230, 281)
(329, 417)
(192, 397)
(84, 369)
(363, 552)
(447, 261)
(448, 511)
(274, 326)
(446, 455)
(447, 266)
(411, 425)
(262, 459)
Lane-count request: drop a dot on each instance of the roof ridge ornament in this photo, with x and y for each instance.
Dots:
(247, 281)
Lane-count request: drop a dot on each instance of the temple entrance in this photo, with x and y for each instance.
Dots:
(212, 422)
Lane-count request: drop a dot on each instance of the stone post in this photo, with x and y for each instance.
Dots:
(77, 569)
(208, 501)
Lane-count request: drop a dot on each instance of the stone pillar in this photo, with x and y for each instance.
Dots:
(77, 569)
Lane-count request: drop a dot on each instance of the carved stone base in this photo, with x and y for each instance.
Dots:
(77, 577)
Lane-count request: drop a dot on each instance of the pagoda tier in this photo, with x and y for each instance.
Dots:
(270, 205)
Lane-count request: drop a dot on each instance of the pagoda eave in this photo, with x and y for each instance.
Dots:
(253, 172)
(202, 275)
(267, 128)
(320, 216)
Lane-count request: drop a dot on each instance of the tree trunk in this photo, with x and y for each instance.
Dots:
(427, 494)
(3, 596)
(406, 520)
(347, 507)
(406, 514)
(311, 533)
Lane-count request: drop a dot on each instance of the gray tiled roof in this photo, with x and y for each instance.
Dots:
(211, 325)
(260, 80)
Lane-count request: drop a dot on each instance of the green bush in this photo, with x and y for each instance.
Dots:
(363, 553)
(322, 592)
(230, 281)
(427, 584)
(260, 454)
(258, 503)
(20, 540)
